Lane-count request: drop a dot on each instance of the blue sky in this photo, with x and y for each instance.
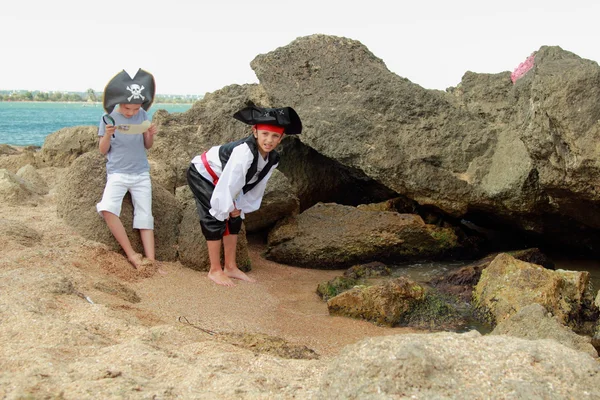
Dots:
(198, 48)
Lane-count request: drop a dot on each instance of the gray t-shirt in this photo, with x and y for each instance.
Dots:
(127, 154)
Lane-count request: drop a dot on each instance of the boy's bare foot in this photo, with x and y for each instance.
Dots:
(220, 278)
(136, 260)
(236, 273)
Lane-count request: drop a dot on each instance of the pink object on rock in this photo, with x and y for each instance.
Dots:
(522, 68)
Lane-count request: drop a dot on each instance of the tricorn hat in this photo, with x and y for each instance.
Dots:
(123, 89)
(285, 117)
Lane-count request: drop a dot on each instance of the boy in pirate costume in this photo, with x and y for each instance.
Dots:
(228, 181)
(125, 135)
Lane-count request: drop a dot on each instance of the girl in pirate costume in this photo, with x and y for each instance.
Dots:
(229, 181)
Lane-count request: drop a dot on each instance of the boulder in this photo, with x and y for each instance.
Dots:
(332, 236)
(65, 145)
(459, 366)
(491, 152)
(534, 322)
(13, 162)
(507, 285)
(81, 189)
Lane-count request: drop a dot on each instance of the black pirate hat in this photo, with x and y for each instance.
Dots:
(122, 89)
(285, 117)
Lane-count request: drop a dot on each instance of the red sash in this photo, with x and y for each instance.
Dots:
(215, 180)
(209, 169)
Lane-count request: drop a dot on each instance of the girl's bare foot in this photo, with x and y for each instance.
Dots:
(235, 272)
(220, 278)
(136, 260)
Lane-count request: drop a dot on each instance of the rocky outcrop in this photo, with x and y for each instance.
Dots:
(488, 151)
(62, 147)
(13, 162)
(331, 236)
(81, 189)
(459, 366)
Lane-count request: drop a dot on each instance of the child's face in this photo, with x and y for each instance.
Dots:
(129, 110)
(267, 140)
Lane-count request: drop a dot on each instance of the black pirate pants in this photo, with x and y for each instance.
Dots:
(212, 228)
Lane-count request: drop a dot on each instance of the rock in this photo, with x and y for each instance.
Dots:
(459, 366)
(13, 190)
(460, 282)
(279, 202)
(5, 150)
(534, 322)
(33, 179)
(81, 189)
(331, 236)
(490, 152)
(62, 147)
(13, 162)
(507, 285)
(384, 304)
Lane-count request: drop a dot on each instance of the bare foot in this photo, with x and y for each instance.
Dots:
(236, 273)
(220, 278)
(136, 260)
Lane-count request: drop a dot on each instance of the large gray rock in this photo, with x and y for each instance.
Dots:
(492, 152)
(332, 236)
(359, 113)
(460, 366)
(81, 189)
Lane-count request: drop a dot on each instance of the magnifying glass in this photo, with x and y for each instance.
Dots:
(108, 120)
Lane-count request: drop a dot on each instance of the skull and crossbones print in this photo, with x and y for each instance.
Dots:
(136, 92)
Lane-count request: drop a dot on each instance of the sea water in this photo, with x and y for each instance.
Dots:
(28, 123)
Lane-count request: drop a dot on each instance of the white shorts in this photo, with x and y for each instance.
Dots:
(140, 187)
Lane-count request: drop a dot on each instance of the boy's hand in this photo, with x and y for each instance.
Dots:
(235, 213)
(152, 130)
(110, 130)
